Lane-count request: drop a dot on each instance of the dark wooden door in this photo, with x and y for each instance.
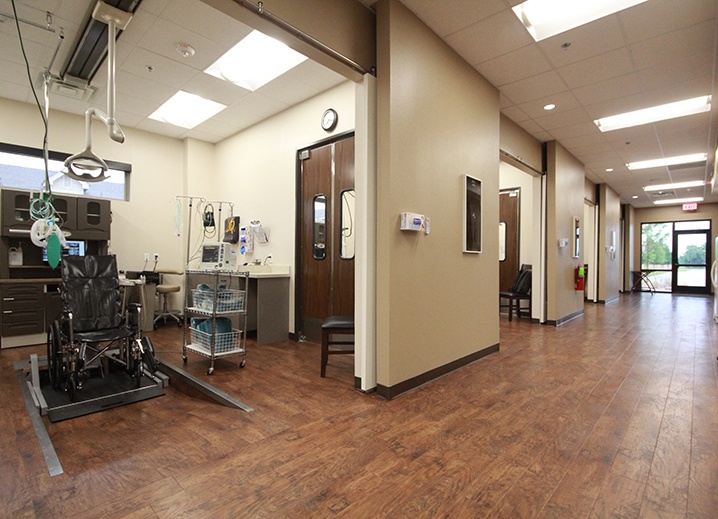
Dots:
(509, 220)
(326, 276)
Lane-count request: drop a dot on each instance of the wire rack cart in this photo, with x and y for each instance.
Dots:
(219, 306)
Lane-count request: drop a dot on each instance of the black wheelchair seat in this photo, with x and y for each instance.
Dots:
(112, 334)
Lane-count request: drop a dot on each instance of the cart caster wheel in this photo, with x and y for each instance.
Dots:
(243, 363)
(210, 371)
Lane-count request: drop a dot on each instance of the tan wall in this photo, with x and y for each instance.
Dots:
(438, 119)
(517, 142)
(609, 211)
(347, 27)
(146, 222)
(565, 190)
(589, 191)
(629, 244)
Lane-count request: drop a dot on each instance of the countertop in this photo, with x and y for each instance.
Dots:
(38, 281)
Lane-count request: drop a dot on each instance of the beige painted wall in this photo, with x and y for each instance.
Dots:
(146, 222)
(438, 119)
(589, 191)
(609, 215)
(565, 192)
(629, 254)
(520, 144)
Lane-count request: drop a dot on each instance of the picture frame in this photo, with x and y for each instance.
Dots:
(473, 216)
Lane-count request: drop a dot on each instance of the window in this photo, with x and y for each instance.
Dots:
(23, 168)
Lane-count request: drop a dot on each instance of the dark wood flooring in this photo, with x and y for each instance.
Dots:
(614, 414)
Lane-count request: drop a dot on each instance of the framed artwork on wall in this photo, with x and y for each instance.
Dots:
(472, 215)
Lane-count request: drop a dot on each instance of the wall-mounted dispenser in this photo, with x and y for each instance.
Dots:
(412, 222)
(246, 241)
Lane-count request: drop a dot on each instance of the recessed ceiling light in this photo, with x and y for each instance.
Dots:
(668, 161)
(255, 61)
(693, 106)
(546, 18)
(186, 110)
(677, 185)
(634, 196)
(549, 106)
(678, 200)
(609, 170)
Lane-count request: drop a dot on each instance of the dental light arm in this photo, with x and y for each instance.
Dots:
(87, 166)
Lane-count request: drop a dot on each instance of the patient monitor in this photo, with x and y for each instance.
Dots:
(217, 256)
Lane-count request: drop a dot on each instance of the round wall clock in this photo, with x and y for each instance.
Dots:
(329, 120)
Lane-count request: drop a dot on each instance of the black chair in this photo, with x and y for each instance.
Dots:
(520, 291)
(336, 325)
(92, 325)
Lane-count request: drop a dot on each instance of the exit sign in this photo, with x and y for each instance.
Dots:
(691, 206)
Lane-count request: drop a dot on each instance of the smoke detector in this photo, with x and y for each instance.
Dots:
(185, 50)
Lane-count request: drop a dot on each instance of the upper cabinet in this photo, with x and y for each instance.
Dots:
(82, 218)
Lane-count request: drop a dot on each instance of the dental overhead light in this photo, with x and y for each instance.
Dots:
(87, 166)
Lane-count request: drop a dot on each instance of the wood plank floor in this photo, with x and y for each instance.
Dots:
(614, 414)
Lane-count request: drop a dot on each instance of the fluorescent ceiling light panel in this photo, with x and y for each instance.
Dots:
(255, 61)
(546, 18)
(693, 106)
(677, 185)
(668, 161)
(678, 200)
(186, 110)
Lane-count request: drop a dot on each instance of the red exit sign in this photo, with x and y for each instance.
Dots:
(690, 206)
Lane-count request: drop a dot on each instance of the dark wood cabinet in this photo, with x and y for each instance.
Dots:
(23, 309)
(82, 218)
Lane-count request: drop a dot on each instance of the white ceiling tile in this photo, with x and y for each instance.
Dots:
(665, 74)
(589, 40)
(562, 119)
(583, 128)
(446, 18)
(141, 23)
(254, 107)
(674, 46)
(515, 114)
(534, 87)
(650, 19)
(598, 68)
(318, 76)
(165, 70)
(519, 64)
(166, 35)
(563, 100)
(499, 35)
(607, 90)
(150, 125)
(215, 89)
(204, 20)
(141, 88)
(154, 6)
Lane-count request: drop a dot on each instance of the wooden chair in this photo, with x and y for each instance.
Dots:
(520, 291)
(336, 325)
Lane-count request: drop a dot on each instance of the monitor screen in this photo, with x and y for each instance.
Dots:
(71, 248)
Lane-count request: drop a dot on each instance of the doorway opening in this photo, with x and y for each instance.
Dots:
(325, 235)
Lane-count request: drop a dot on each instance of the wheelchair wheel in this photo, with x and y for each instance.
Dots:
(71, 386)
(54, 354)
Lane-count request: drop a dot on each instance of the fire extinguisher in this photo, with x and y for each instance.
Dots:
(579, 278)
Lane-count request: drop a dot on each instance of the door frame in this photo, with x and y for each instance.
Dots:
(298, 336)
(675, 289)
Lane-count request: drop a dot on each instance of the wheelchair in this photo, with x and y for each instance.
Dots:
(92, 327)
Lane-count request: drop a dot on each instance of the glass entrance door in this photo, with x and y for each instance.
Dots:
(691, 258)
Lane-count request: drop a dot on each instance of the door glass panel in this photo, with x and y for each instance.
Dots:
(502, 241)
(691, 276)
(662, 281)
(691, 249)
(693, 226)
(347, 224)
(319, 219)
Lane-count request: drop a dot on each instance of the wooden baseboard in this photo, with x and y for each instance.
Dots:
(565, 319)
(390, 392)
(606, 301)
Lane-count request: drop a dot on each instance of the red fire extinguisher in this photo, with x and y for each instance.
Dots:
(579, 278)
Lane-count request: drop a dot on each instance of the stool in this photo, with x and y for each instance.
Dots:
(163, 291)
(336, 325)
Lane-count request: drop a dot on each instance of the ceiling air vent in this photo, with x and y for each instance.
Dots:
(71, 90)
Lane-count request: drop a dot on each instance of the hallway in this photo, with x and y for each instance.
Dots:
(614, 414)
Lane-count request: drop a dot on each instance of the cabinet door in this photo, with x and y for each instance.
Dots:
(93, 219)
(16, 219)
(66, 210)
